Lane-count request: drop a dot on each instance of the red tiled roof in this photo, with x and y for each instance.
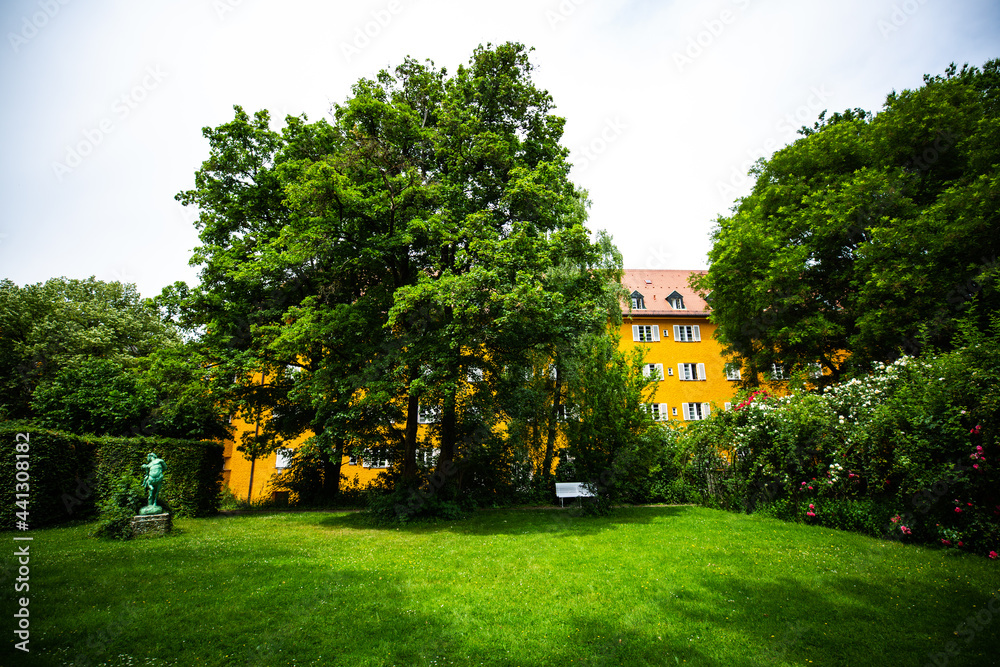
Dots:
(656, 285)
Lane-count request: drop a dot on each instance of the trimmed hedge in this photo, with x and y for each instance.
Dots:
(68, 474)
(59, 465)
(192, 480)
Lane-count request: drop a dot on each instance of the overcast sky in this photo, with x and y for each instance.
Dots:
(667, 103)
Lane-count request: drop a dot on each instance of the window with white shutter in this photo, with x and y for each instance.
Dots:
(657, 411)
(691, 371)
(696, 411)
(654, 371)
(687, 333)
(645, 333)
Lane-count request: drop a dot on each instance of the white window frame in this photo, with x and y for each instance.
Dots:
(283, 458)
(429, 415)
(368, 460)
(649, 369)
(568, 412)
(691, 372)
(732, 372)
(815, 370)
(427, 457)
(728, 406)
(696, 411)
(641, 332)
(474, 374)
(687, 333)
(777, 371)
(658, 411)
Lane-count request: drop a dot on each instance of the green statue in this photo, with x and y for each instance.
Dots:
(153, 480)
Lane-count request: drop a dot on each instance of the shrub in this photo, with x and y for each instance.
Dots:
(125, 495)
(912, 444)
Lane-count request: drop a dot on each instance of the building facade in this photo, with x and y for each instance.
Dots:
(669, 320)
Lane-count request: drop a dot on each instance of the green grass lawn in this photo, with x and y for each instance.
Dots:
(648, 586)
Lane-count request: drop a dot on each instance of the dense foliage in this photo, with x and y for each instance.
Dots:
(424, 250)
(870, 234)
(92, 357)
(909, 451)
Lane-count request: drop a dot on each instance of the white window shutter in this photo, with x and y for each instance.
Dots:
(656, 333)
(659, 371)
(645, 370)
(706, 409)
(686, 409)
(701, 372)
(680, 371)
(635, 332)
(697, 333)
(677, 332)
(663, 411)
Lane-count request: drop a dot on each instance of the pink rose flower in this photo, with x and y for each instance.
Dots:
(993, 555)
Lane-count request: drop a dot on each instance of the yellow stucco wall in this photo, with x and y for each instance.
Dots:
(236, 468)
(669, 352)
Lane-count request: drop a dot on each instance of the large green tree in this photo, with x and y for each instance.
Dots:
(94, 357)
(399, 256)
(869, 235)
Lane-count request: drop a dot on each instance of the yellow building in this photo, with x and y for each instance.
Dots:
(670, 320)
(237, 470)
(666, 317)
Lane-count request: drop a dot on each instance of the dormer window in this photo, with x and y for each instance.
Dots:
(676, 301)
(638, 303)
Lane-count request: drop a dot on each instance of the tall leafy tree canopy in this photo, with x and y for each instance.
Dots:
(406, 253)
(94, 357)
(869, 235)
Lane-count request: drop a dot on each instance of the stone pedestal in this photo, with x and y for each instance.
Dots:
(151, 524)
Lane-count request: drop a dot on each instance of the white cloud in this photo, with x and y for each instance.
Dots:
(661, 144)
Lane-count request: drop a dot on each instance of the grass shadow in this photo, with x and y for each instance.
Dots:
(559, 522)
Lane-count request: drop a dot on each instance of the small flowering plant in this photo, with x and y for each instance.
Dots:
(898, 521)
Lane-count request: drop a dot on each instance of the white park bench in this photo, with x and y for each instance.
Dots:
(571, 490)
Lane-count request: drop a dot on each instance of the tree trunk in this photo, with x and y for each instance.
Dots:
(550, 442)
(331, 472)
(410, 439)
